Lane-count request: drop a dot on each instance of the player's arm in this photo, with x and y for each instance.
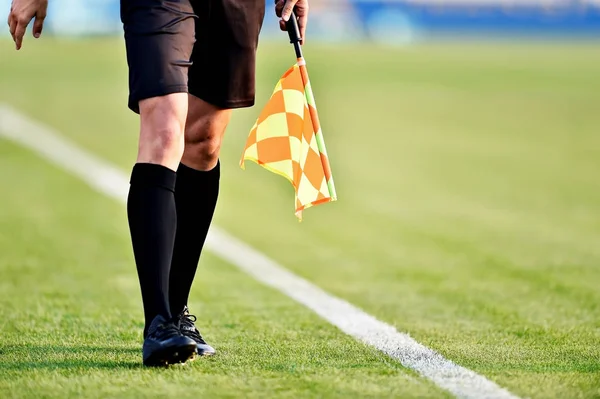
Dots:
(284, 8)
(21, 14)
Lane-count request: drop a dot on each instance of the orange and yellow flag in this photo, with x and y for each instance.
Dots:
(287, 139)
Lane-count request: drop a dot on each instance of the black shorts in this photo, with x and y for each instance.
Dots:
(203, 47)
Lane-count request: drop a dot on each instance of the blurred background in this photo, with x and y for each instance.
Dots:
(464, 139)
(389, 21)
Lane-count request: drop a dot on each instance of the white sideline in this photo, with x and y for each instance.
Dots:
(461, 382)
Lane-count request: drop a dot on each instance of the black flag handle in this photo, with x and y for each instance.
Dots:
(294, 33)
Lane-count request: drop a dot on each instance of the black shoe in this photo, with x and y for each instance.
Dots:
(165, 344)
(187, 328)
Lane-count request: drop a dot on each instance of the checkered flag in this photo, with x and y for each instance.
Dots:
(287, 139)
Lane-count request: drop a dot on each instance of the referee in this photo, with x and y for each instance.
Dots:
(191, 62)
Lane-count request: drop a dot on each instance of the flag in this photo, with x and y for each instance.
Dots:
(287, 139)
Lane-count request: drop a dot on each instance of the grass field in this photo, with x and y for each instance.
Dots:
(469, 217)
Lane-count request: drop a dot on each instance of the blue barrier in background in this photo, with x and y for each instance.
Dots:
(572, 18)
(379, 20)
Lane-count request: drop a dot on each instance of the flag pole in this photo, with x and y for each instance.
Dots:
(294, 34)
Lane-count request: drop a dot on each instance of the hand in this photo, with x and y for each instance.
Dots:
(21, 14)
(284, 8)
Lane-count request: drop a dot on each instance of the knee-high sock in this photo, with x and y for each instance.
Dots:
(152, 223)
(196, 196)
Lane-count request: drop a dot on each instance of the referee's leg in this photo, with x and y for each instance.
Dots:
(159, 42)
(220, 79)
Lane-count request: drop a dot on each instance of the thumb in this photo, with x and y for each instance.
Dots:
(287, 9)
(38, 25)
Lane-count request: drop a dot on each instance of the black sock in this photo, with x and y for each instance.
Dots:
(196, 196)
(152, 224)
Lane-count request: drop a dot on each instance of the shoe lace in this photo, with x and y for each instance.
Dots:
(188, 320)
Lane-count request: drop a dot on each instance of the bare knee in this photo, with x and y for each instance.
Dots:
(162, 130)
(203, 150)
(204, 133)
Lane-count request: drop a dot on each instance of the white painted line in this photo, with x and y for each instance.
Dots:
(461, 382)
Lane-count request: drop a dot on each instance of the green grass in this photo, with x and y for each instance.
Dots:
(72, 322)
(468, 217)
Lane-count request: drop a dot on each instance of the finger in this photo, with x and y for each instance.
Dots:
(282, 25)
(279, 7)
(287, 9)
(20, 32)
(12, 24)
(302, 22)
(38, 25)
